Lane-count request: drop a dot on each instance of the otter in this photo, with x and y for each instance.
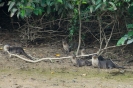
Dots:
(129, 61)
(79, 62)
(95, 61)
(65, 46)
(104, 64)
(16, 50)
(83, 51)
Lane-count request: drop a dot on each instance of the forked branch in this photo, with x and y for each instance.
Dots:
(38, 60)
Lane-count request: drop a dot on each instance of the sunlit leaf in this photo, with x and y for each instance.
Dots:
(13, 12)
(104, 0)
(48, 2)
(75, 11)
(70, 6)
(122, 40)
(59, 1)
(84, 2)
(93, 2)
(114, 7)
(91, 9)
(98, 6)
(129, 41)
(22, 13)
(11, 5)
(18, 13)
(9, 2)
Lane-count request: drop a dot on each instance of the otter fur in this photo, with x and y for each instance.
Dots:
(16, 50)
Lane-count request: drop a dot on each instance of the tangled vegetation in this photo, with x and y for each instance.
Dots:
(99, 20)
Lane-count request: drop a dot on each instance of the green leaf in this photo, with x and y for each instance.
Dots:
(40, 11)
(59, 1)
(48, 2)
(98, 2)
(70, 6)
(84, 2)
(111, 9)
(9, 2)
(98, 6)
(75, 11)
(131, 4)
(18, 14)
(35, 11)
(93, 2)
(11, 5)
(71, 32)
(104, 0)
(127, 0)
(11, 15)
(114, 7)
(51, 3)
(29, 7)
(122, 40)
(130, 41)
(13, 12)
(32, 5)
(91, 9)
(22, 13)
(43, 4)
(129, 25)
(130, 33)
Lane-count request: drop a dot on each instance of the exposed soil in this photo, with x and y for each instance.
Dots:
(17, 73)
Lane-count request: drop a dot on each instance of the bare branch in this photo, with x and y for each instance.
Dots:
(38, 60)
(79, 28)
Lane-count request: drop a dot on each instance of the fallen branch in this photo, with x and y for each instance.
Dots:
(38, 60)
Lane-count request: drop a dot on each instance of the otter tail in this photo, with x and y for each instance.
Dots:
(120, 67)
(129, 61)
(28, 56)
(113, 65)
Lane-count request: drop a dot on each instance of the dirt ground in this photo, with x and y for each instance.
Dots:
(17, 73)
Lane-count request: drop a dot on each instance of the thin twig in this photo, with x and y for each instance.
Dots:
(108, 40)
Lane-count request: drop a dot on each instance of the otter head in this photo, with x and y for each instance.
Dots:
(82, 51)
(6, 48)
(64, 42)
(73, 56)
(95, 56)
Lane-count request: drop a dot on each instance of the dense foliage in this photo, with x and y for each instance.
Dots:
(90, 10)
